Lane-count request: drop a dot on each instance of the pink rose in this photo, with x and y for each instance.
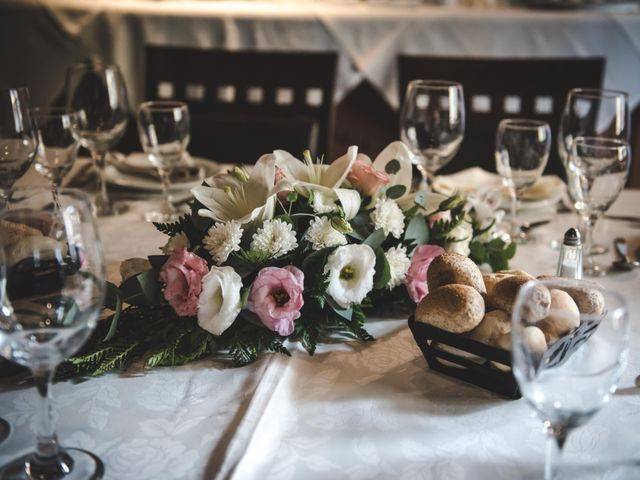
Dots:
(276, 297)
(416, 279)
(366, 178)
(182, 276)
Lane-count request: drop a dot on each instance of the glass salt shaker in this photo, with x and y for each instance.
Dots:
(570, 261)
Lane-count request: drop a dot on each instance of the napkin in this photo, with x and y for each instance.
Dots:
(138, 165)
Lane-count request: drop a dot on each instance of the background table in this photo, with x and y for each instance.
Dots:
(351, 411)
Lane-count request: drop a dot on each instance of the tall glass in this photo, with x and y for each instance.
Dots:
(432, 124)
(164, 135)
(522, 151)
(52, 287)
(99, 95)
(18, 139)
(569, 387)
(597, 171)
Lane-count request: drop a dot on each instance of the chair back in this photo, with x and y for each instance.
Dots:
(495, 89)
(245, 104)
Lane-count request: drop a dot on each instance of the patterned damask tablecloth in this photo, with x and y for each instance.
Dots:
(350, 411)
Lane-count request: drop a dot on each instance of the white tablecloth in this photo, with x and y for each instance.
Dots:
(368, 37)
(351, 411)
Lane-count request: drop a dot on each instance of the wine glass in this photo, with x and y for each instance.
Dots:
(52, 280)
(432, 124)
(592, 112)
(57, 145)
(597, 171)
(163, 127)
(567, 387)
(522, 151)
(99, 96)
(18, 140)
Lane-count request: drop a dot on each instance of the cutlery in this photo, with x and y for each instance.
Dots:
(624, 262)
(624, 218)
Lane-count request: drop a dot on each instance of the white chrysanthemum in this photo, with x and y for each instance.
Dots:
(323, 203)
(275, 238)
(322, 235)
(351, 269)
(177, 241)
(222, 239)
(389, 217)
(399, 263)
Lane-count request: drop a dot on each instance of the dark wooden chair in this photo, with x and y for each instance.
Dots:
(504, 88)
(245, 104)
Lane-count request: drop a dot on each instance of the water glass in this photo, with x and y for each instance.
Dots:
(597, 171)
(432, 124)
(571, 385)
(522, 151)
(52, 288)
(163, 127)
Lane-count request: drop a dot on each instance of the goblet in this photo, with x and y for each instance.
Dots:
(57, 145)
(52, 287)
(99, 96)
(597, 171)
(592, 112)
(432, 124)
(522, 151)
(164, 134)
(567, 389)
(17, 137)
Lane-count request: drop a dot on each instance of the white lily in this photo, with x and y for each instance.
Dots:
(242, 197)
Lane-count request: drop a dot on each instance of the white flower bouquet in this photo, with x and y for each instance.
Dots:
(292, 250)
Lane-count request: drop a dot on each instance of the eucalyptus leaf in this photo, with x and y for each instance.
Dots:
(345, 313)
(417, 230)
(392, 167)
(396, 191)
(375, 239)
(113, 301)
(382, 269)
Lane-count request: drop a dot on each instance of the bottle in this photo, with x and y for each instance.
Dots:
(570, 261)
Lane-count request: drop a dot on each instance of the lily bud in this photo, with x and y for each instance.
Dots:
(341, 225)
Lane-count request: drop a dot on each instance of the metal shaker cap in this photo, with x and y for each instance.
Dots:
(572, 237)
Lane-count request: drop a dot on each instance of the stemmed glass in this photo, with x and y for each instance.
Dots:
(17, 137)
(432, 124)
(163, 127)
(99, 96)
(57, 145)
(567, 393)
(592, 112)
(597, 171)
(522, 151)
(52, 287)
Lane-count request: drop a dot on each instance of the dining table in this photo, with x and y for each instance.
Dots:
(351, 411)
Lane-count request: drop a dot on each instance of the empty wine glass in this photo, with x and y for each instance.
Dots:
(566, 386)
(597, 171)
(522, 151)
(592, 112)
(99, 96)
(17, 137)
(432, 124)
(52, 280)
(163, 127)
(57, 145)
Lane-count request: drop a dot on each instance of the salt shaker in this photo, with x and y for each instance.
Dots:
(570, 261)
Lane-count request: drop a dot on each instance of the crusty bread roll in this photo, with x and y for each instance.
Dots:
(11, 232)
(133, 266)
(454, 268)
(47, 249)
(454, 308)
(494, 324)
(504, 295)
(563, 316)
(491, 280)
(590, 301)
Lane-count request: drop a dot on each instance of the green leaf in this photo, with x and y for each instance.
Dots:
(451, 203)
(244, 296)
(345, 313)
(157, 261)
(375, 239)
(292, 196)
(142, 289)
(396, 191)
(417, 230)
(393, 166)
(421, 199)
(113, 302)
(510, 251)
(382, 269)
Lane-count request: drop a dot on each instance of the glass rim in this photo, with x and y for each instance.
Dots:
(94, 65)
(31, 190)
(163, 105)
(53, 112)
(523, 123)
(435, 84)
(597, 93)
(600, 142)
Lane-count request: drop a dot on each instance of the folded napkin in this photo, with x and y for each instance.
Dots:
(138, 165)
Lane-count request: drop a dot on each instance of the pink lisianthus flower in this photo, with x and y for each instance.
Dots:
(366, 178)
(276, 297)
(416, 279)
(182, 277)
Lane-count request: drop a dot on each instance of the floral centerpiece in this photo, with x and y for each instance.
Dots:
(293, 250)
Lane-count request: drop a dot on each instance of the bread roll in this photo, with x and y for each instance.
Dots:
(505, 292)
(454, 308)
(563, 316)
(590, 301)
(493, 325)
(11, 232)
(133, 266)
(47, 249)
(454, 268)
(532, 338)
(491, 280)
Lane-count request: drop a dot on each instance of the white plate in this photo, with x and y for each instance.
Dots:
(547, 192)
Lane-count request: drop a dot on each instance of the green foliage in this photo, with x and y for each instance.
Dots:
(496, 253)
(392, 166)
(417, 231)
(182, 225)
(396, 191)
(382, 270)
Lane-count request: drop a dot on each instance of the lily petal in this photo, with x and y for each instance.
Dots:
(399, 151)
(339, 169)
(350, 200)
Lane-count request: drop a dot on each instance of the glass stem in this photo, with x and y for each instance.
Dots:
(556, 436)
(102, 199)
(515, 225)
(426, 181)
(47, 449)
(165, 178)
(54, 193)
(588, 223)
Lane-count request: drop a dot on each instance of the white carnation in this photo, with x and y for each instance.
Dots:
(219, 303)
(389, 217)
(275, 238)
(322, 235)
(177, 241)
(323, 202)
(462, 234)
(222, 239)
(399, 263)
(351, 269)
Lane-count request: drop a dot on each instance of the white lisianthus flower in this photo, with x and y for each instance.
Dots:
(323, 202)
(321, 234)
(219, 303)
(351, 269)
(389, 217)
(275, 238)
(399, 263)
(177, 241)
(462, 234)
(222, 239)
